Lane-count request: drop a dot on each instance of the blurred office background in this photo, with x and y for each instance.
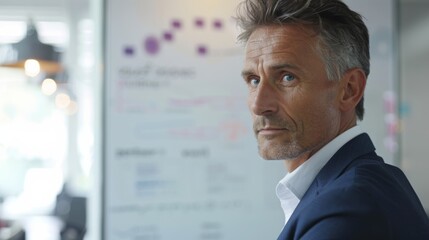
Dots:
(46, 118)
(49, 122)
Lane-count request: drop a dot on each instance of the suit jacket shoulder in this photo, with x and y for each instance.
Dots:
(357, 196)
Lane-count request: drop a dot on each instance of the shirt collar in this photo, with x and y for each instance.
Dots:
(300, 179)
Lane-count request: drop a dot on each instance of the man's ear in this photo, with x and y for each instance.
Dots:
(353, 85)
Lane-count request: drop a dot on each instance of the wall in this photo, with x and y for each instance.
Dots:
(414, 62)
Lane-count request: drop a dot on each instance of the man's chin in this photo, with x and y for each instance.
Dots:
(279, 153)
(270, 156)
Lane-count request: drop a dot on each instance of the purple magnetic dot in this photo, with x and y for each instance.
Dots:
(176, 24)
(129, 51)
(152, 45)
(168, 36)
(199, 22)
(217, 24)
(202, 50)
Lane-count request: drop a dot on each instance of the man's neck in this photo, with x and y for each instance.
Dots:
(292, 164)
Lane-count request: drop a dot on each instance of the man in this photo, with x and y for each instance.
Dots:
(306, 65)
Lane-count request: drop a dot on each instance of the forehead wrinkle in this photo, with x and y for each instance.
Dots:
(279, 49)
(261, 45)
(274, 60)
(271, 47)
(268, 38)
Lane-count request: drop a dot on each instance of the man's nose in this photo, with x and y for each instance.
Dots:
(263, 101)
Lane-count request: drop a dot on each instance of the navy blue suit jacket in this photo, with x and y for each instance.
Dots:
(357, 196)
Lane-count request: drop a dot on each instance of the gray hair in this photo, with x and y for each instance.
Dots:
(343, 36)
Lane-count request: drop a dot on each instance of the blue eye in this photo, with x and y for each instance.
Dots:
(288, 78)
(254, 82)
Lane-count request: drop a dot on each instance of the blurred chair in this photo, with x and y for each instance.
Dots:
(72, 211)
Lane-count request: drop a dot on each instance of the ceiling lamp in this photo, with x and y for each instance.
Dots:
(31, 52)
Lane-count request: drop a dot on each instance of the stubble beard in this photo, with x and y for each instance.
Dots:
(279, 151)
(272, 149)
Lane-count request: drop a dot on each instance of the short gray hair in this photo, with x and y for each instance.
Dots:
(343, 36)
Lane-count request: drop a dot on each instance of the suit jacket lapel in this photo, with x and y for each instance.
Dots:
(358, 146)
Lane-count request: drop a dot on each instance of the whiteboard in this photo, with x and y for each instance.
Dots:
(180, 158)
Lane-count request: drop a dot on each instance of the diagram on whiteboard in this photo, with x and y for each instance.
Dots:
(181, 161)
(153, 44)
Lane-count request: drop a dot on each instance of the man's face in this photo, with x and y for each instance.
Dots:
(294, 106)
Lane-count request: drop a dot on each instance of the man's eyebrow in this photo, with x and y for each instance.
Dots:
(247, 72)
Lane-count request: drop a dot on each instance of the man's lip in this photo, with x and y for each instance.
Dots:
(270, 130)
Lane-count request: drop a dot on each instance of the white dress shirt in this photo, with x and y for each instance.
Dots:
(293, 186)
